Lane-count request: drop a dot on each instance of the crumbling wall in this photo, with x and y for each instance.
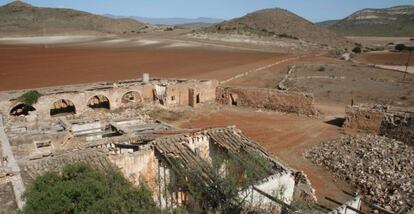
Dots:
(138, 166)
(366, 119)
(272, 99)
(280, 186)
(304, 193)
(393, 122)
(398, 125)
(7, 199)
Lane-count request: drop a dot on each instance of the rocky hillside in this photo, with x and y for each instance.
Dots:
(278, 23)
(326, 23)
(18, 18)
(394, 21)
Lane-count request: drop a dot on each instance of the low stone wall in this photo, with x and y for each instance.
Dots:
(364, 118)
(393, 122)
(271, 99)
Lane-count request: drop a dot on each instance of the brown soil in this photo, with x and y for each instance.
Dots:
(35, 66)
(386, 58)
(286, 136)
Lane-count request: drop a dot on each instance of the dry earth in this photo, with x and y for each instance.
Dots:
(29, 66)
(284, 135)
(385, 58)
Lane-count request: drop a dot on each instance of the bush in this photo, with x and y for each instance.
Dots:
(357, 50)
(30, 97)
(284, 35)
(81, 189)
(400, 47)
(321, 68)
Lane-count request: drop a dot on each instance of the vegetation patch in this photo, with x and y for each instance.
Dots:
(400, 47)
(30, 97)
(357, 50)
(82, 189)
(284, 35)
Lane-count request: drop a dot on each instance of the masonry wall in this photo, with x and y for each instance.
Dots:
(272, 99)
(366, 119)
(176, 94)
(396, 123)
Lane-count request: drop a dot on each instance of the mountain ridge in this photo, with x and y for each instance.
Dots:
(20, 18)
(392, 21)
(279, 23)
(170, 20)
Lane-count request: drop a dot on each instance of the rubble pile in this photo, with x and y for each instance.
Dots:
(382, 169)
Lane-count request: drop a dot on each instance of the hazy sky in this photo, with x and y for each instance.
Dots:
(313, 10)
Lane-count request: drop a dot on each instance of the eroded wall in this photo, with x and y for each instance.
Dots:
(272, 99)
(177, 93)
(393, 122)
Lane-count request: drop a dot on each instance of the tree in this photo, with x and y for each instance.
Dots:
(30, 97)
(81, 189)
(357, 50)
(400, 47)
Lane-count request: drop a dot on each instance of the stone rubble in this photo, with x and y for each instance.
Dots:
(382, 169)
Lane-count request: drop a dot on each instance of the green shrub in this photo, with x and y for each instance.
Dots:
(30, 97)
(284, 35)
(357, 50)
(400, 47)
(81, 189)
(321, 68)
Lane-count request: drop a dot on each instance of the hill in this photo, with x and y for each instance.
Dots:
(394, 21)
(279, 23)
(176, 21)
(18, 18)
(327, 23)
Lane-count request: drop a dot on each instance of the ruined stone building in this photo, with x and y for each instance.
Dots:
(102, 124)
(391, 121)
(78, 99)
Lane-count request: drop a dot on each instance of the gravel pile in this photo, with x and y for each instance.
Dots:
(382, 169)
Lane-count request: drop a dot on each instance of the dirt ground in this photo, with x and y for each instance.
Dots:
(338, 82)
(386, 58)
(284, 135)
(373, 41)
(36, 66)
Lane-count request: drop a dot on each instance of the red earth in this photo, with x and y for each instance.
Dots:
(25, 67)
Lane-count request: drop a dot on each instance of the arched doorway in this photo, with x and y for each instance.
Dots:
(131, 97)
(62, 107)
(99, 102)
(21, 109)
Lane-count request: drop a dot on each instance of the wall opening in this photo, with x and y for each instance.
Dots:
(21, 109)
(198, 100)
(99, 102)
(233, 99)
(131, 97)
(62, 107)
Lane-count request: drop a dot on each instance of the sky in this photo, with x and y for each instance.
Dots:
(313, 10)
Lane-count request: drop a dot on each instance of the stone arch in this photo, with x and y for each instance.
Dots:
(62, 107)
(131, 97)
(21, 109)
(99, 102)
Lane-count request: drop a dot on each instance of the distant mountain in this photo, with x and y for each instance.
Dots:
(19, 18)
(394, 21)
(327, 23)
(170, 21)
(195, 25)
(280, 23)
